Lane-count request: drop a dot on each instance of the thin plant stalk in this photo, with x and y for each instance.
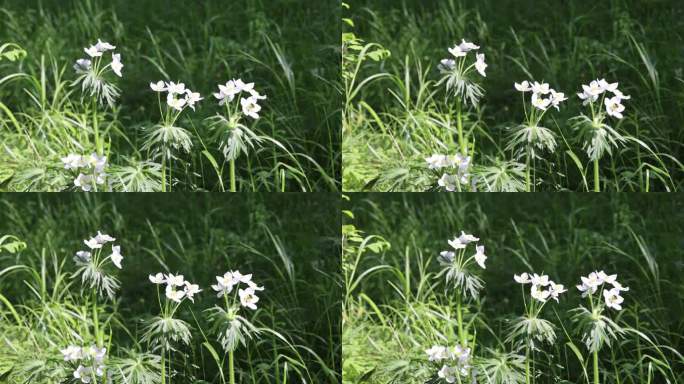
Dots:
(231, 367)
(597, 185)
(232, 176)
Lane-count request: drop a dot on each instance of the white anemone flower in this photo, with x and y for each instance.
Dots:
(83, 257)
(606, 86)
(174, 88)
(456, 51)
(614, 107)
(244, 87)
(240, 278)
(257, 95)
(467, 46)
(173, 294)
(593, 280)
(97, 162)
(449, 374)
(449, 182)
(539, 102)
(587, 98)
(225, 284)
(542, 280)
(191, 98)
(619, 287)
(72, 353)
(254, 286)
(447, 256)
(556, 289)
(72, 161)
(462, 354)
(593, 89)
(191, 290)
(116, 256)
(523, 87)
(250, 107)
(159, 86)
(117, 65)
(621, 95)
(523, 278)
(83, 374)
(480, 256)
(175, 280)
(82, 65)
(92, 51)
(85, 182)
(605, 278)
(539, 294)
(248, 298)
(466, 238)
(104, 46)
(437, 353)
(97, 354)
(157, 278)
(438, 161)
(227, 92)
(175, 103)
(613, 299)
(480, 64)
(446, 65)
(456, 243)
(542, 88)
(557, 98)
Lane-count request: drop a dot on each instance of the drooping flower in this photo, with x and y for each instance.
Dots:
(116, 256)
(103, 46)
(446, 65)
(466, 46)
(117, 65)
(480, 256)
(480, 64)
(82, 66)
(466, 238)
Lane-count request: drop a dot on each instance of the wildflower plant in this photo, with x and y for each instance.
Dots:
(530, 327)
(530, 138)
(455, 363)
(456, 176)
(461, 82)
(241, 104)
(603, 292)
(166, 139)
(239, 293)
(91, 170)
(95, 78)
(88, 364)
(164, 331)
(598, 138)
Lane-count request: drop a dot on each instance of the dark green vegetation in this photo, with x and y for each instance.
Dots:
(294, 256)
(289, 49)
(396, 307)
(395, 116)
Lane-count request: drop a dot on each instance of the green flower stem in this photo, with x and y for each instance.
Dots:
(231, 367)
(527, 364)
(528, 182)
(459, 319)
(232, 176)
(163, 366)
(597, 185)
(459, 125)
(163, 173)
(596, 368)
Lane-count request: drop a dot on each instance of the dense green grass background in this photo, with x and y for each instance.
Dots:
(290, 244)
(290, 49)
(637, 43)
(395, 312)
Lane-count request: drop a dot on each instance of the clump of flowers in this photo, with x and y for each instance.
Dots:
(457, 172)
(531, 327)
(239, 100)
(93, 264)
(602, 291)
(455, 362)
(90, 362)
(598, 138)
(238, 291)
(91, 170)
(93, 72)
(530, 137)
(457, 264)
(458, 75)
(166, 138)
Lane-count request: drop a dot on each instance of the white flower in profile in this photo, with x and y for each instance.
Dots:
(614, 107)
(446, 65)
(93, 243)
(542, 88)
(466, 238)
(227, 92)
(438, 161)
(437, 353)
(248, 298)
(72, 161)
(82, 65)
(466, 46)
(539, 102)
(159, 86)
(175, 103)
(456, 243)
(523, 87)
(557, 98)
(83, 257)
(176, 89)
(587, 98)
(556, 289)
(85, 182)
(175, 280)
(480, 64)
(117, 65)
(173, 294)
(480, 256)
(225, 284)
(621, 95)
(103, 238)
(523, 278)
(449, 182)
(538, 293)
(542, 280)
(191, 98)
(244, 87)
(447, 256)
(606, 86)
(605, 278)
(257, 95)
(456, 51)
(72, 353)
(613, 299)
(593, 89)
(92, 51)
(254, 286)
(116, 256)
(240, 278)
(449, 374)
(250, 107)
(157, 278)
(619, 287)
(191, 290)
(592, 280)
(103, 46)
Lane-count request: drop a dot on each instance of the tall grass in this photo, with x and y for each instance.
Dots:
(397, 305)
(202, 44)
(397, 115)
(294, 330)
